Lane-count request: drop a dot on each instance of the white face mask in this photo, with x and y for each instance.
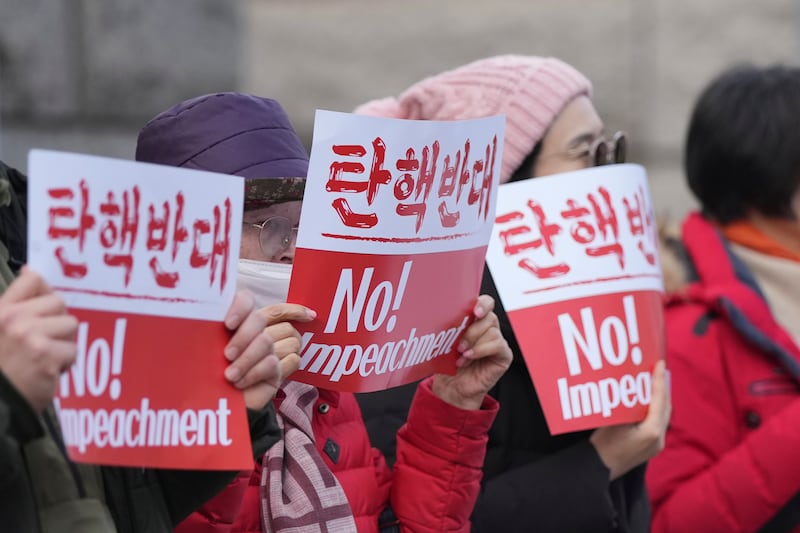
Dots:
(269, 282)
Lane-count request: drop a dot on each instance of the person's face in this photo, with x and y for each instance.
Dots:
(251, 247)
(568, 143)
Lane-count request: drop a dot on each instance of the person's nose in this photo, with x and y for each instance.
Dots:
(287, 256)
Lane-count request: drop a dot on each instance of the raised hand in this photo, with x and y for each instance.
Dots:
(265, 347)
(37, 338)
(623, 447)
(485, 356)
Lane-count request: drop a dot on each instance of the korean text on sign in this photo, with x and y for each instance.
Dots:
(114, 233)
(575, 261)
(398, 214)
(145, 257)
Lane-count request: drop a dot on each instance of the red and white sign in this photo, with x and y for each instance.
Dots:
(393, 233)
(145, 256)
(575, 261)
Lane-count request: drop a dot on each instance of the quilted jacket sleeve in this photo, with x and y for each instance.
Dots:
(440, 453)
(219, 513)
(709, 478)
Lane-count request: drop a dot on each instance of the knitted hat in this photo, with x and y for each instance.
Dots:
(230, 133)
(530, 91)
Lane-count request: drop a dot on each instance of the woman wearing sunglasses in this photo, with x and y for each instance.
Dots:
(590, 481)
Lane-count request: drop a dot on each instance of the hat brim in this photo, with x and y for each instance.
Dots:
(263, 192)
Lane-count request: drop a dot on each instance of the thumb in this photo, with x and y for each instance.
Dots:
(660, 404)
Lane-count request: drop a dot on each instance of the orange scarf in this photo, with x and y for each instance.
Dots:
(746, 234)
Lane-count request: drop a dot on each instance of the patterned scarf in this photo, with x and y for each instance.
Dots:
(299, 493)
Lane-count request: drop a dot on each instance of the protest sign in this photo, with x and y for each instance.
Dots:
(575, 261)
(393, 233)
(145, 256)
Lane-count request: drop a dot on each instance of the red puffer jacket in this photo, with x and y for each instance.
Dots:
(433, 487)
(732, 456)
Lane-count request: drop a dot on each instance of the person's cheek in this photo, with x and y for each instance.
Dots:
(556, 167)
(250, 249)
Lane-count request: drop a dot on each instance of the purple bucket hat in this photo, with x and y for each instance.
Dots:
(231, 133)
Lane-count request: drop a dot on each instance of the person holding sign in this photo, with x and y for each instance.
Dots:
(733, 329)
(324, 475)
(41, 489)
(581, 481)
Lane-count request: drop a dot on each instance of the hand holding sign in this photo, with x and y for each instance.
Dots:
(37, 338)
(399, 212)
(575, 254)
(626, 446)
(485, 356)
(264, 348)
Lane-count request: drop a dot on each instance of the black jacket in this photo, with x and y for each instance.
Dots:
(533, 481)
(13, 211)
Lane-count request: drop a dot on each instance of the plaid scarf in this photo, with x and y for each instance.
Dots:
(299, 493)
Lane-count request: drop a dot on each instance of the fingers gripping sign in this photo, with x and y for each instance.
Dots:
(485, 356)
(625, 446)
(264, 348)
(37, 338)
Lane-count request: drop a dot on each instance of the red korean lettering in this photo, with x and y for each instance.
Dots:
(198, 259)
(406, 185)
(161, 229)
(222, 244)
(56, 231)
(220, 247)
(447, 186)
(464, 176)
(641, 225)
(546, 231)
(86, 221)
(507, 235)
(608, 225)
(335, 181)
(157, 238)
(179, 232)
(544, 272)
(377, 176)
(69, 269)
(157, 228)
(485, 168)
(120, 229)
(605, 225)
(163, 278)
(447, 183)
(352, 219)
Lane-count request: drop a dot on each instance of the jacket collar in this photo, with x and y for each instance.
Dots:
(723, 280)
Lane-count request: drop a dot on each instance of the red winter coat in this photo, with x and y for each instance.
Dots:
(433, 487)
(732, 457)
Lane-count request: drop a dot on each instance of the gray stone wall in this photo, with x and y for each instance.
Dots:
(648, 59)
(84, 75)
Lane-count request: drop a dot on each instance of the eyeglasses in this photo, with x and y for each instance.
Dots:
(600, 152)
(604, 152)
(275, 235)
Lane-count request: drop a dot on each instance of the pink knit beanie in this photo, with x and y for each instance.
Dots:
(530, 91)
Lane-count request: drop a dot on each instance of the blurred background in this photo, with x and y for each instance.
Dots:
(85, 75)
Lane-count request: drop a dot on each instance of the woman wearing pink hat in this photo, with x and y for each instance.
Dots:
(588, 481)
